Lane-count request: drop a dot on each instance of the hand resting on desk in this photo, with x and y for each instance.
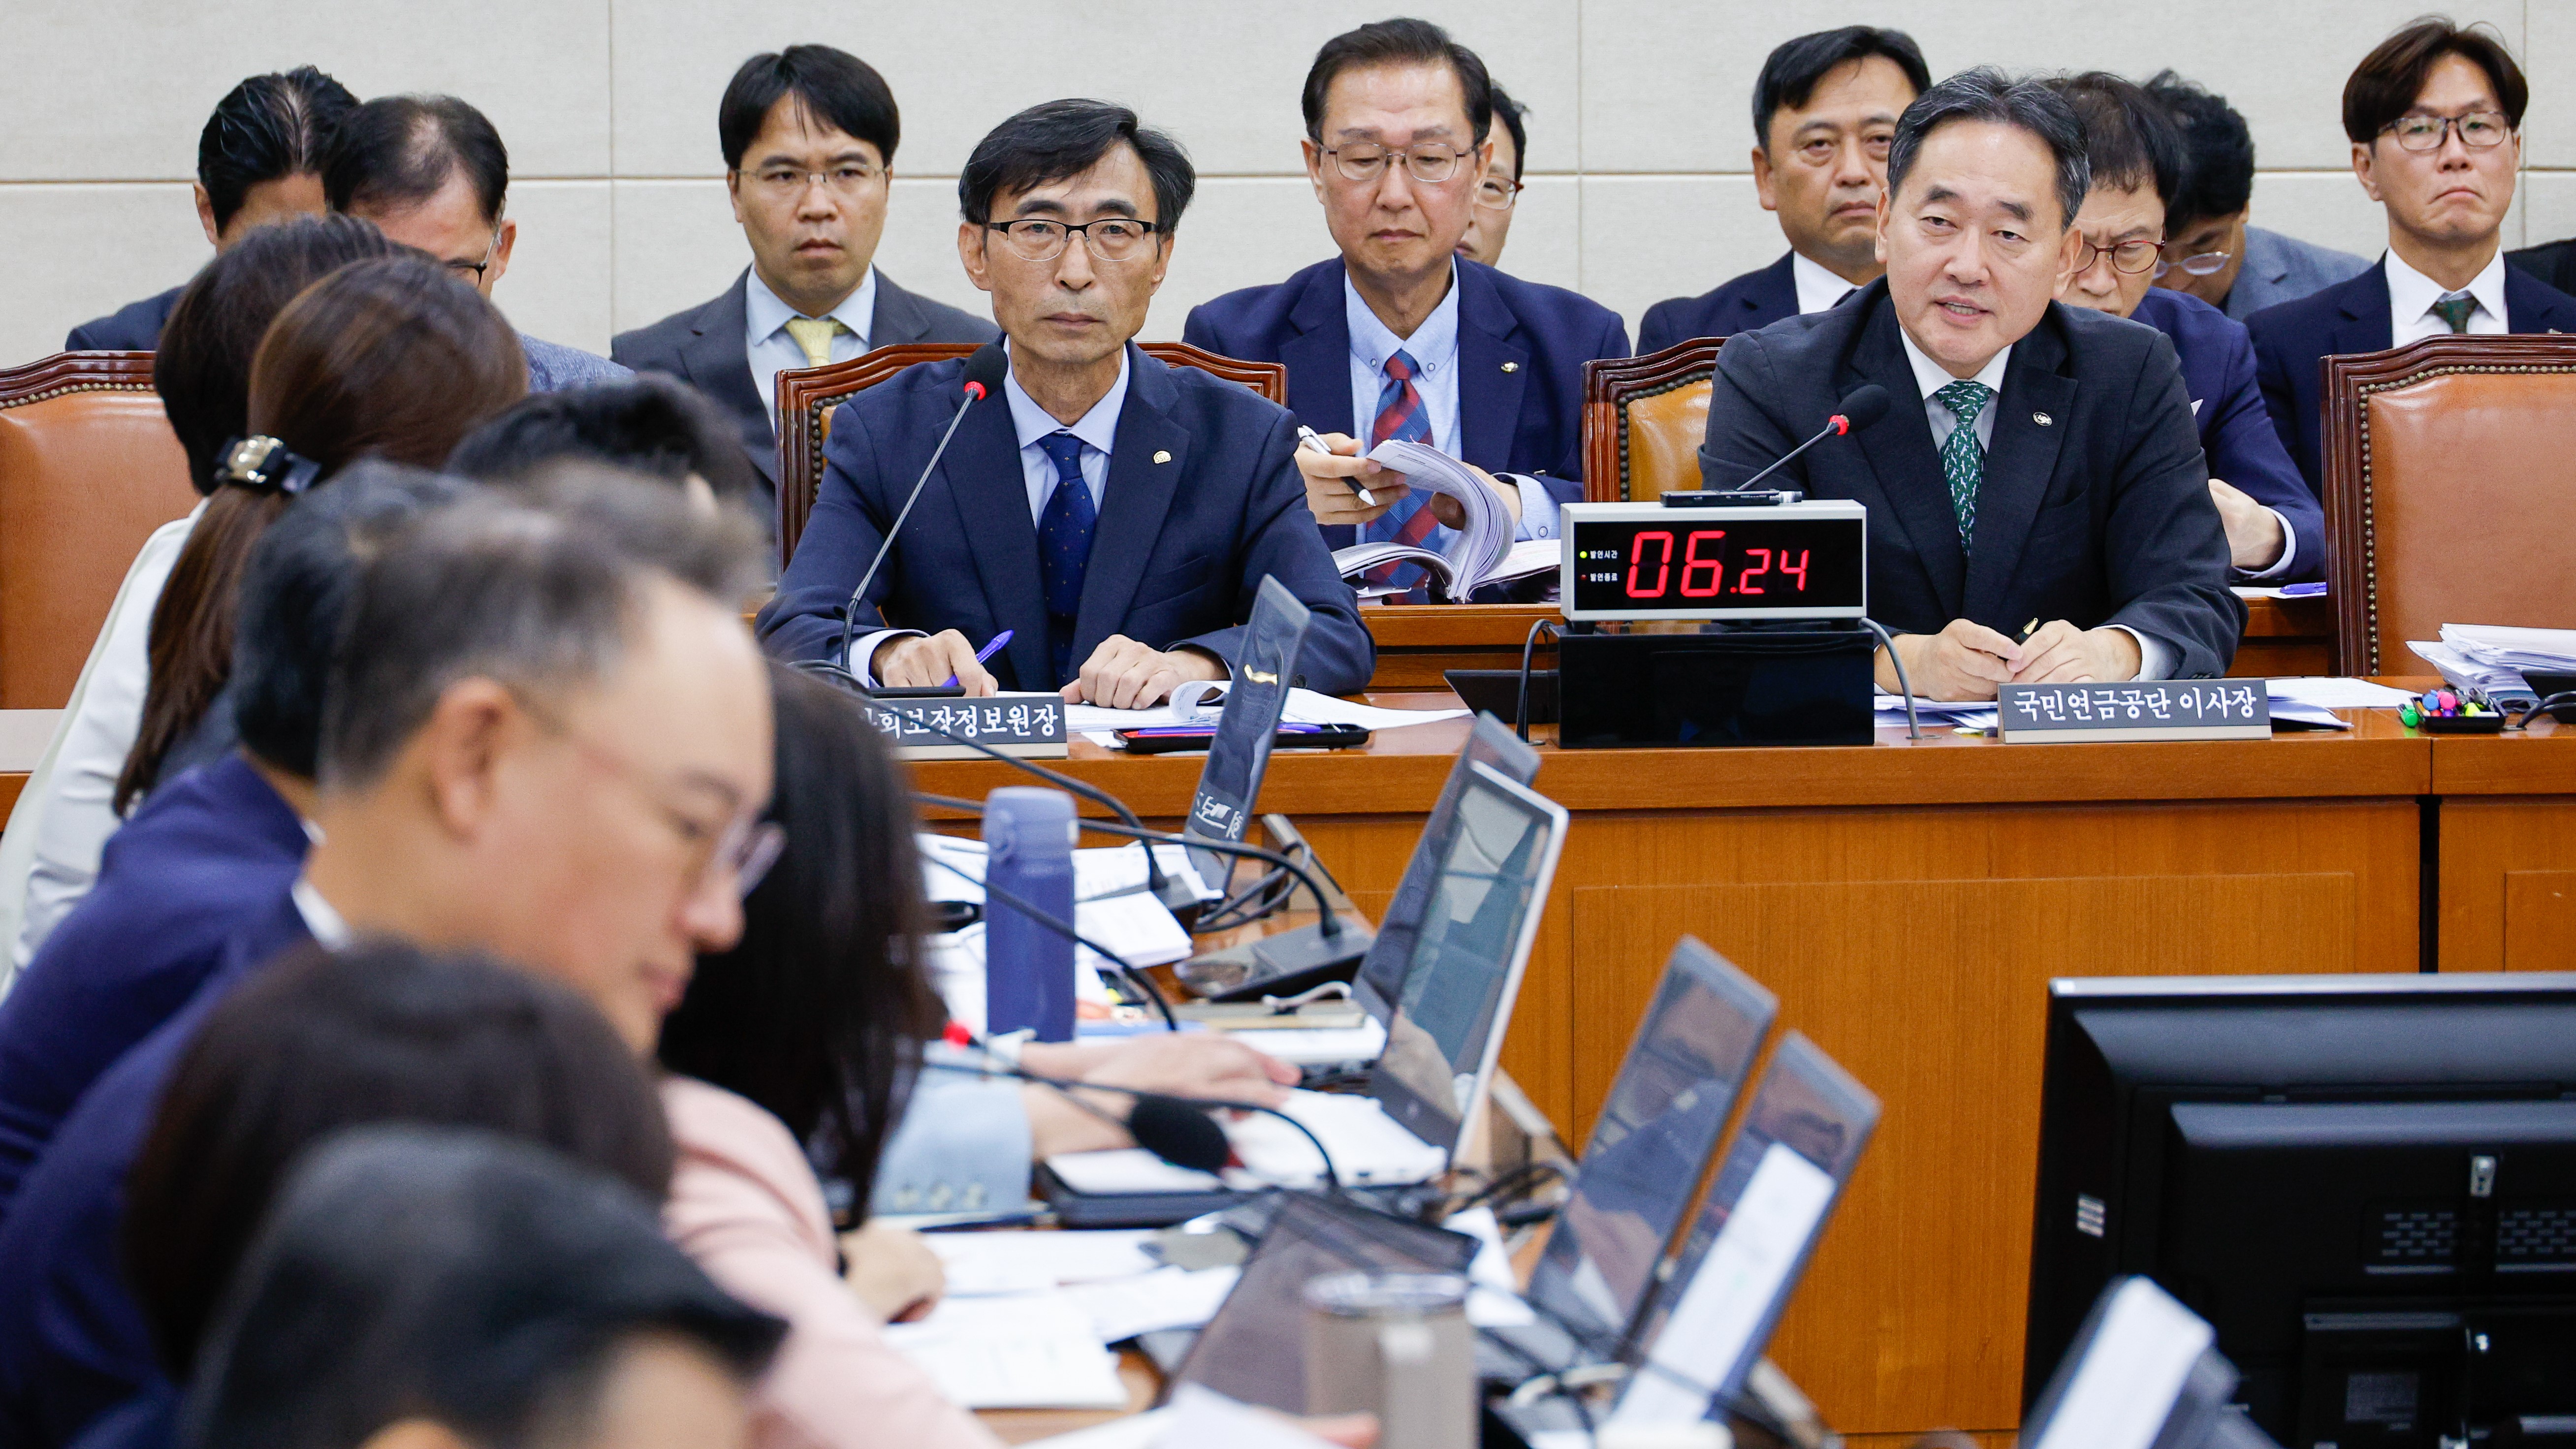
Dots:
(914, 661)
(892, 1272)
(1184, 1064)
(1967, 660)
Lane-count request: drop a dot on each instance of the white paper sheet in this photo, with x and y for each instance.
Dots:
(1020, 1261)
(1305, 706)
(2132, 1372)
(2329, 692)
(2550, 651)
(1122, 1308)
(1023, 1351)
(1493, 1290)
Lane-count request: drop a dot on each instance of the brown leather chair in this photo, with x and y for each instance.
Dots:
(2450, 492)
(807, 395)
(88, 468)
(1643, 420)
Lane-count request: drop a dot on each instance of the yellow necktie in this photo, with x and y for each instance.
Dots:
(815, 335)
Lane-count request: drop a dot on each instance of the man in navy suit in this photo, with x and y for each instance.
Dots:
(1114, 514)
(1399, 337)
(258, 160)
(2040, 463)
(2275, 526)
(2435, 118)
(1824, 109)
(809, 134)
(2212, 249)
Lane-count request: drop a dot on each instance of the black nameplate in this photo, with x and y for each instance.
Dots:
(2159, 709)
(1030, 725)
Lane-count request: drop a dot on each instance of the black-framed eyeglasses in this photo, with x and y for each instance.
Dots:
(2198, 264)
(1111, 238)
(1495, 194)
(1429, 164)
(2478, 130)
(2134, 256)
(471, 273)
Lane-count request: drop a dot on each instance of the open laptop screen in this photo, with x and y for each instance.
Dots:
(1651, 1143)
(1230, 781)
(1468, 954)
(1381, 979)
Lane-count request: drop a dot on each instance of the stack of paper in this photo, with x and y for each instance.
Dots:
(2525, 651)
(1023, 1351)
(1119, 1286)
(1481, 553)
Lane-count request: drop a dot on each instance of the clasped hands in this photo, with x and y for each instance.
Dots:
(1967, 660)
(1120, 674)
(1329, 496)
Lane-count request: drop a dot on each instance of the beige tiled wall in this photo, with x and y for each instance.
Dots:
(1640, 124)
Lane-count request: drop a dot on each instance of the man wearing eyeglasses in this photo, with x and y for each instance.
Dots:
(2275, 526)
(809, 136)
(1398, 337)
(2212, 248)
(1499, 193)
(431, 173)
(1112, 515)
(2434, 115)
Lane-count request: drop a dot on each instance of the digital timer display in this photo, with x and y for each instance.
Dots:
(1716, 563)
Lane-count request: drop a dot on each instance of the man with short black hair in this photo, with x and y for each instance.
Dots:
(2434, 115)
(1490, 224)
(259, 160)
(809, 135)
(1398, 337)
(2041, 463)
(1114, 515)
(1824, 111)
(2211, 250)
(650, 424)
(431, 173)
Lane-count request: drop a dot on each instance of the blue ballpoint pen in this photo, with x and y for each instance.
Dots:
(987, 652)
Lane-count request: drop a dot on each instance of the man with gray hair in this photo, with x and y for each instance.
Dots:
(2041, 463)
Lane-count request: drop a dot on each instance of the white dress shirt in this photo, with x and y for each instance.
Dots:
(1434, 350)
(1098, 430)
(2155, 657)
(1818, 287)
(329, 927)
(773, 351)
(2411, 296)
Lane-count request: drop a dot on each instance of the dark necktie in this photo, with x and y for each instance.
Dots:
(1064, 547)
(1963, 462)
(2454, 308)
(1400, 414)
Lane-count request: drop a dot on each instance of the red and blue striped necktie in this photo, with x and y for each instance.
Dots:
(1400, 414)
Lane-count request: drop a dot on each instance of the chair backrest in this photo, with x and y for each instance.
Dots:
(807, 395)
(88, 468)
(1643, 420)
(2450, 492)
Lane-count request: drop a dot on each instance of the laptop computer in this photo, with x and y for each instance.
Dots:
(1239, 753)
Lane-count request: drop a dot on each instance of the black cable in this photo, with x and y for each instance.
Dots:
(1529, 646)
(1332, 1179)
(1913, 726)
(1065, 929)
(1330, 922)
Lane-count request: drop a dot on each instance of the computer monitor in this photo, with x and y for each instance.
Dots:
(1230, 782)
(1492, 744)
(1650, 1145)
(2366, 1184)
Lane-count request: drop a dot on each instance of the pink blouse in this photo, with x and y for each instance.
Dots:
(745, 1205)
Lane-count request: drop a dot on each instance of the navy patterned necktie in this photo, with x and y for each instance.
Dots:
(1064, 547)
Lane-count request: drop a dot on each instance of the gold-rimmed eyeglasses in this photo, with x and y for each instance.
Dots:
(1496, 194)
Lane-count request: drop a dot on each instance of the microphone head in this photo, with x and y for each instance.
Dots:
(1865, 405)
(1181, 1133)
(986, 364)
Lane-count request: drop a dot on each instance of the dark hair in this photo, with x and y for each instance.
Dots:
(2219, 181)
(388, 358)
(1510, 112)
(398, 151)
(1791, 73)
(2129, 140)
(1058, 139)
(202, 370)
(541, 592)
(650, 424)
(833, 86)
(1402, 41)
(266, 129)
(295, 591)
(819, 1012)
(383, 1032)
(486, 1284)
(1987, 94)
(2384, 86)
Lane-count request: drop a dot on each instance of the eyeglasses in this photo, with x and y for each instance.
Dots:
(743, 849)
(2478, 130)
(2198, 264)
(1431, 165)
(1495, 194)
(2134, 256)
(787, 183)
(471, 273)
(1111, 239)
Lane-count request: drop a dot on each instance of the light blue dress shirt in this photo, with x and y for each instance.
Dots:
(1434, 350)
(770, 348)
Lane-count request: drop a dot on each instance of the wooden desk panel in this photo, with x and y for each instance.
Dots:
(2508, 848)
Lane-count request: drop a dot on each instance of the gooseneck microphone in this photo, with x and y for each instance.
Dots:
(985, 367)
(1861, 407)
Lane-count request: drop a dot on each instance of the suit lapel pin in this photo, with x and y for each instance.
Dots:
(1161, 457)
(2042, 419)
(1511, 367)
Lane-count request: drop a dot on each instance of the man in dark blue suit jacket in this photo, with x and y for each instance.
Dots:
(1398, 337)
(1116, 515)
(2040, 462)
(1823, 110)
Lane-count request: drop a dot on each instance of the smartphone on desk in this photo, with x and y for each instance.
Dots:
(1166, 739)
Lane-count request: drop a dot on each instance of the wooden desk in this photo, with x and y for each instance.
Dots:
(1908, 902)
(1415, 642)
(2505, 829)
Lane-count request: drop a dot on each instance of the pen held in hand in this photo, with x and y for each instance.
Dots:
(987, 652)
(1308, 438)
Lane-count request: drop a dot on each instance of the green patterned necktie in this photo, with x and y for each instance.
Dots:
(1963, 461)
(2455, 309)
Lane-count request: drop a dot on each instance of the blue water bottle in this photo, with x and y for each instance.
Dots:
(1028, 964)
